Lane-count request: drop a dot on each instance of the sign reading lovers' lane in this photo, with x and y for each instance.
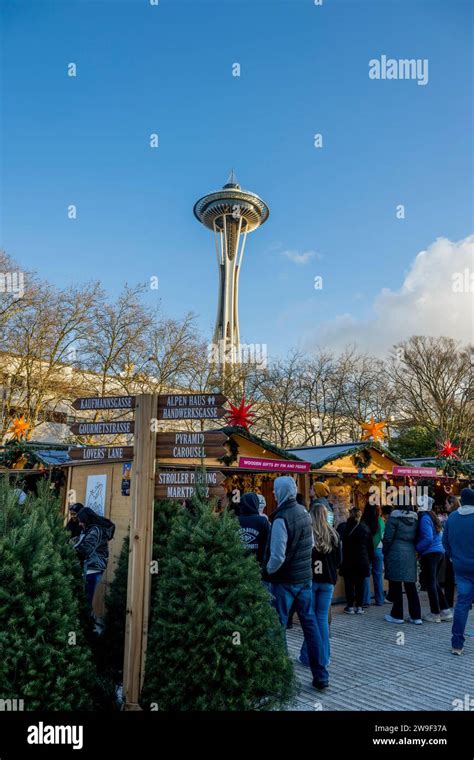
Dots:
(102, 453)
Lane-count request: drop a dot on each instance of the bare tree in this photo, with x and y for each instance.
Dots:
(434, 379)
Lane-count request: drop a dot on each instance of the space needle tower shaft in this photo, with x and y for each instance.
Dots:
(231, 213)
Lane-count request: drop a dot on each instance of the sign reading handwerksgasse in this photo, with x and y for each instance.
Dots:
(104, 402)
(191, 406)
(103, 428)
(183, 484)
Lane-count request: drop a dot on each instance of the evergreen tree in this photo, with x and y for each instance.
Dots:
(44, 657)
(116, 601)
(215, 640)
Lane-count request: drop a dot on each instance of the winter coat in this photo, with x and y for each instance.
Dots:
(458, 540)
(399, 546)
(357, 549)
(93, 548)
(254, 528)
(428, 540)
(328, 566)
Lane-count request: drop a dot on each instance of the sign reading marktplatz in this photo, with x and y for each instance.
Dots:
(191, 406)
(183, 484)
(102, 453)
(190, 445)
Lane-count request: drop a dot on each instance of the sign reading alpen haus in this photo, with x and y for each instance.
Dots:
(102, 453)
(103, 428)
(191, 406)
(191, 445)
(273, 465)
(183, 484)
(104, 402)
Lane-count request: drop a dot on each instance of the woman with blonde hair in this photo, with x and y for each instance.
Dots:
(326, 558)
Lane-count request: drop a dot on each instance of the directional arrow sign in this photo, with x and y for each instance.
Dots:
(183, 484)
(103, 428)
(191, 406)
(102, 453)
(104, 402)
(184, 445)
(190, 452)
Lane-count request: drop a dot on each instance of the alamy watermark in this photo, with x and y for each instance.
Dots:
(13, 282)
(402, 68)
(245, 353)
(396, 496)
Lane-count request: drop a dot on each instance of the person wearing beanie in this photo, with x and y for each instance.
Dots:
(288, 567)
(254, 528)
(458, 540)
(429, 546)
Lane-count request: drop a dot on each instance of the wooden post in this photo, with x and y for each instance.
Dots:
(141, 539)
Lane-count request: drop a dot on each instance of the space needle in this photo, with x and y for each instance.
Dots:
(231, 213)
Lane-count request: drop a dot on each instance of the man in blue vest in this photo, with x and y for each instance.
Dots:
(288, 568)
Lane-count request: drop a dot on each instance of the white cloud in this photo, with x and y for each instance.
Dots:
(300, 258)
(426, 303)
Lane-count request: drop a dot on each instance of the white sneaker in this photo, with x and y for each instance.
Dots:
(446, 615)
(349, 610)
(417, 621)
(359, 611)
(430, 617)
(391, 619)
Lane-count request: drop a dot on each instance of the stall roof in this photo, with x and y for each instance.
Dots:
(52, 457)
(285, 453)
(321, 455)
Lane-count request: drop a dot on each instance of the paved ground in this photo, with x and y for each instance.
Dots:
(370, 671)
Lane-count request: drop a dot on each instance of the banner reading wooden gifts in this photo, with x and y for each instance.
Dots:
(273, 465)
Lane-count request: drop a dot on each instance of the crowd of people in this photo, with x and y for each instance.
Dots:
(301, 553)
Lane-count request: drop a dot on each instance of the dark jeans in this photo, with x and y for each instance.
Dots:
(354, 588)
(396, 597)
(448, 585)
(92, 581)
(463, 604)
(301, 593)
(430, 564)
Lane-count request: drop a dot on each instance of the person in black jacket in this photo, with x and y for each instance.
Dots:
(357, 555)
(326, 558)
(93, 549)
(254, 527)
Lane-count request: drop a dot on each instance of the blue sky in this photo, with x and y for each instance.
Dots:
(304, 70)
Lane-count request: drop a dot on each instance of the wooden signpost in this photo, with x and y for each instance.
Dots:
(140, 556)
(102, 453)
(146, 486)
